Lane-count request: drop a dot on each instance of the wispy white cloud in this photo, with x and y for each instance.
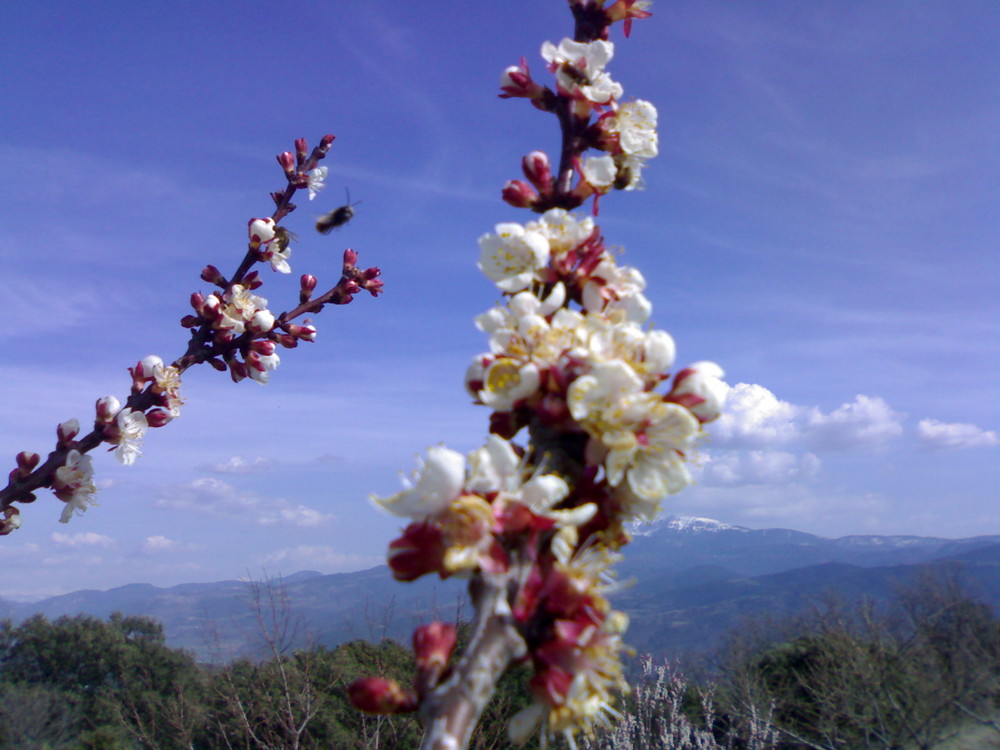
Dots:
(320, 557)
(240, 465)
(298, 515)
(801, 506)
(223, 500)
(757, 467)
(932, 433)
(83, 539)
(157, 544)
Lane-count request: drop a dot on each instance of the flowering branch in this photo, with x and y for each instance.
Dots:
(573, 367)
(231, 329)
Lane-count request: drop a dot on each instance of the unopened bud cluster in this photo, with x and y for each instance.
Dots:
(588, 103)
(231, 328)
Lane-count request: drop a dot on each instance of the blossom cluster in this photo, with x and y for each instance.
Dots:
(573, 366)
(231, 329)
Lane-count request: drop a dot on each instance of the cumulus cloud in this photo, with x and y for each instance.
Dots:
(83, 539)
(865, 420)
(758, 467)
(222, 500)
(934, 434)
(240, 465)
(753, 417)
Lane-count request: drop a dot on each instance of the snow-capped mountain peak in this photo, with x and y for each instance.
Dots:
(683, 524)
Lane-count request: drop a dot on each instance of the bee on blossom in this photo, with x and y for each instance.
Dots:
(336, 218)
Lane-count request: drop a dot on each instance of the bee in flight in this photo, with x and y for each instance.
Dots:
(336, 218)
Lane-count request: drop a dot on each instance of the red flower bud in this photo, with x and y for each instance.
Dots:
(263, 346)
(419, 551)
(433, 644)
(158, 417)
(377, 695)
(287, 161)
(519, 194)
(538, 170)
(212, 275)
(301, 150)
(26, 462)
(67, 431)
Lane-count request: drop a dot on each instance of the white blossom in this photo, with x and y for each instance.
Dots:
(511, 257)
(599, 171)
(585, 77)
(132, 426)
(317, 181)
(75, 477)
(436, 482)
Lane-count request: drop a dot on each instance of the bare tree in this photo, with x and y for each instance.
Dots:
(273, 699)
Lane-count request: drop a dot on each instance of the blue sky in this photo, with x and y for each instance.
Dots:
(821, 221)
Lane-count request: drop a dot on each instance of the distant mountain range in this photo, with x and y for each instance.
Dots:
(694, 579)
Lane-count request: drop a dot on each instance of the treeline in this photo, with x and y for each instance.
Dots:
(81, 682)
(921, 672)
(907, 676)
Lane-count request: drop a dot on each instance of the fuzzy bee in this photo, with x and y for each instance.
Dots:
(336, 218)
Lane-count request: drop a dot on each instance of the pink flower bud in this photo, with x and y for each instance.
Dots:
(303, 333)
(326, 142)
(224, 336)
(146, 369)
(350, 258)
(12, 518)
(301, 150)
(237, 370)
(212, 275)
(287, 161)
(433, 645)
(198, 302)
(158, 417)
(307, 285)
(516, 81)
(262, 322)
(627, 10)
(377, 695)
(210, 307)
(419, 551)
(519, 194)
(26, 462)
(252, 281)
(538, 170)
(67, 431)
(107, 409)
(263, 346)
(700, 389)
(190, 321)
